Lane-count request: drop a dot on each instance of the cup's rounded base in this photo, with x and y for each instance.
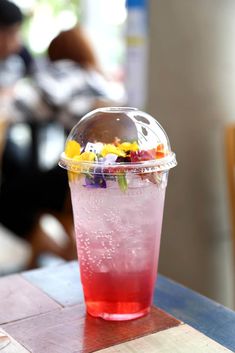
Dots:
(119, 317)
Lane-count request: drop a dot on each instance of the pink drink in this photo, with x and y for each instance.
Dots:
(118, 239)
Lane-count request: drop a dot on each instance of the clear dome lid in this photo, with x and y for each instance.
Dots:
(117, 139)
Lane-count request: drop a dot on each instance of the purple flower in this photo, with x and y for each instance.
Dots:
(96, 180)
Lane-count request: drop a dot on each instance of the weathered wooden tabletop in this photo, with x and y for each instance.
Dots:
(43, 311)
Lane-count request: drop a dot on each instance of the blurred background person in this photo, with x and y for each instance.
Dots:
(11, 44)
(74, 44)
(58, 94)
(26, 192)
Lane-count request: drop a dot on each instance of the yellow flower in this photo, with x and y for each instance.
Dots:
(72, 149)
(85, 157)
(72, 176)
(128, 146)
(112, 149)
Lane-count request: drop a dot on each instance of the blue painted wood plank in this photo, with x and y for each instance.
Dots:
(205, 315)
(62, 282)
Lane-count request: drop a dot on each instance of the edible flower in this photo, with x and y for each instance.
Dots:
(128, 146)
(72, 149)
(154, 153)
(160, 151)
(95, 181)
(85, 156)
(111, 149)
(140, 156)
(110, 159)
(72, 176)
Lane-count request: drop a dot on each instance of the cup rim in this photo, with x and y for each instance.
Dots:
(117, 109)
(142, 167)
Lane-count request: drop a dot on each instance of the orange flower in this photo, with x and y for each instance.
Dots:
(160, 151)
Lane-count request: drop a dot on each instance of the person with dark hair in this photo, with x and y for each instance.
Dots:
(11, 19)
(10, 14)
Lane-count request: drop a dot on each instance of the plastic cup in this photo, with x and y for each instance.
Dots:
(118, 161)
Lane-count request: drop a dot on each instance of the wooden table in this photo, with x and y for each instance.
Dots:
(43, 311)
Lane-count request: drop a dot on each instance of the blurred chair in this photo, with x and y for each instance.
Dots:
(230, 162)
